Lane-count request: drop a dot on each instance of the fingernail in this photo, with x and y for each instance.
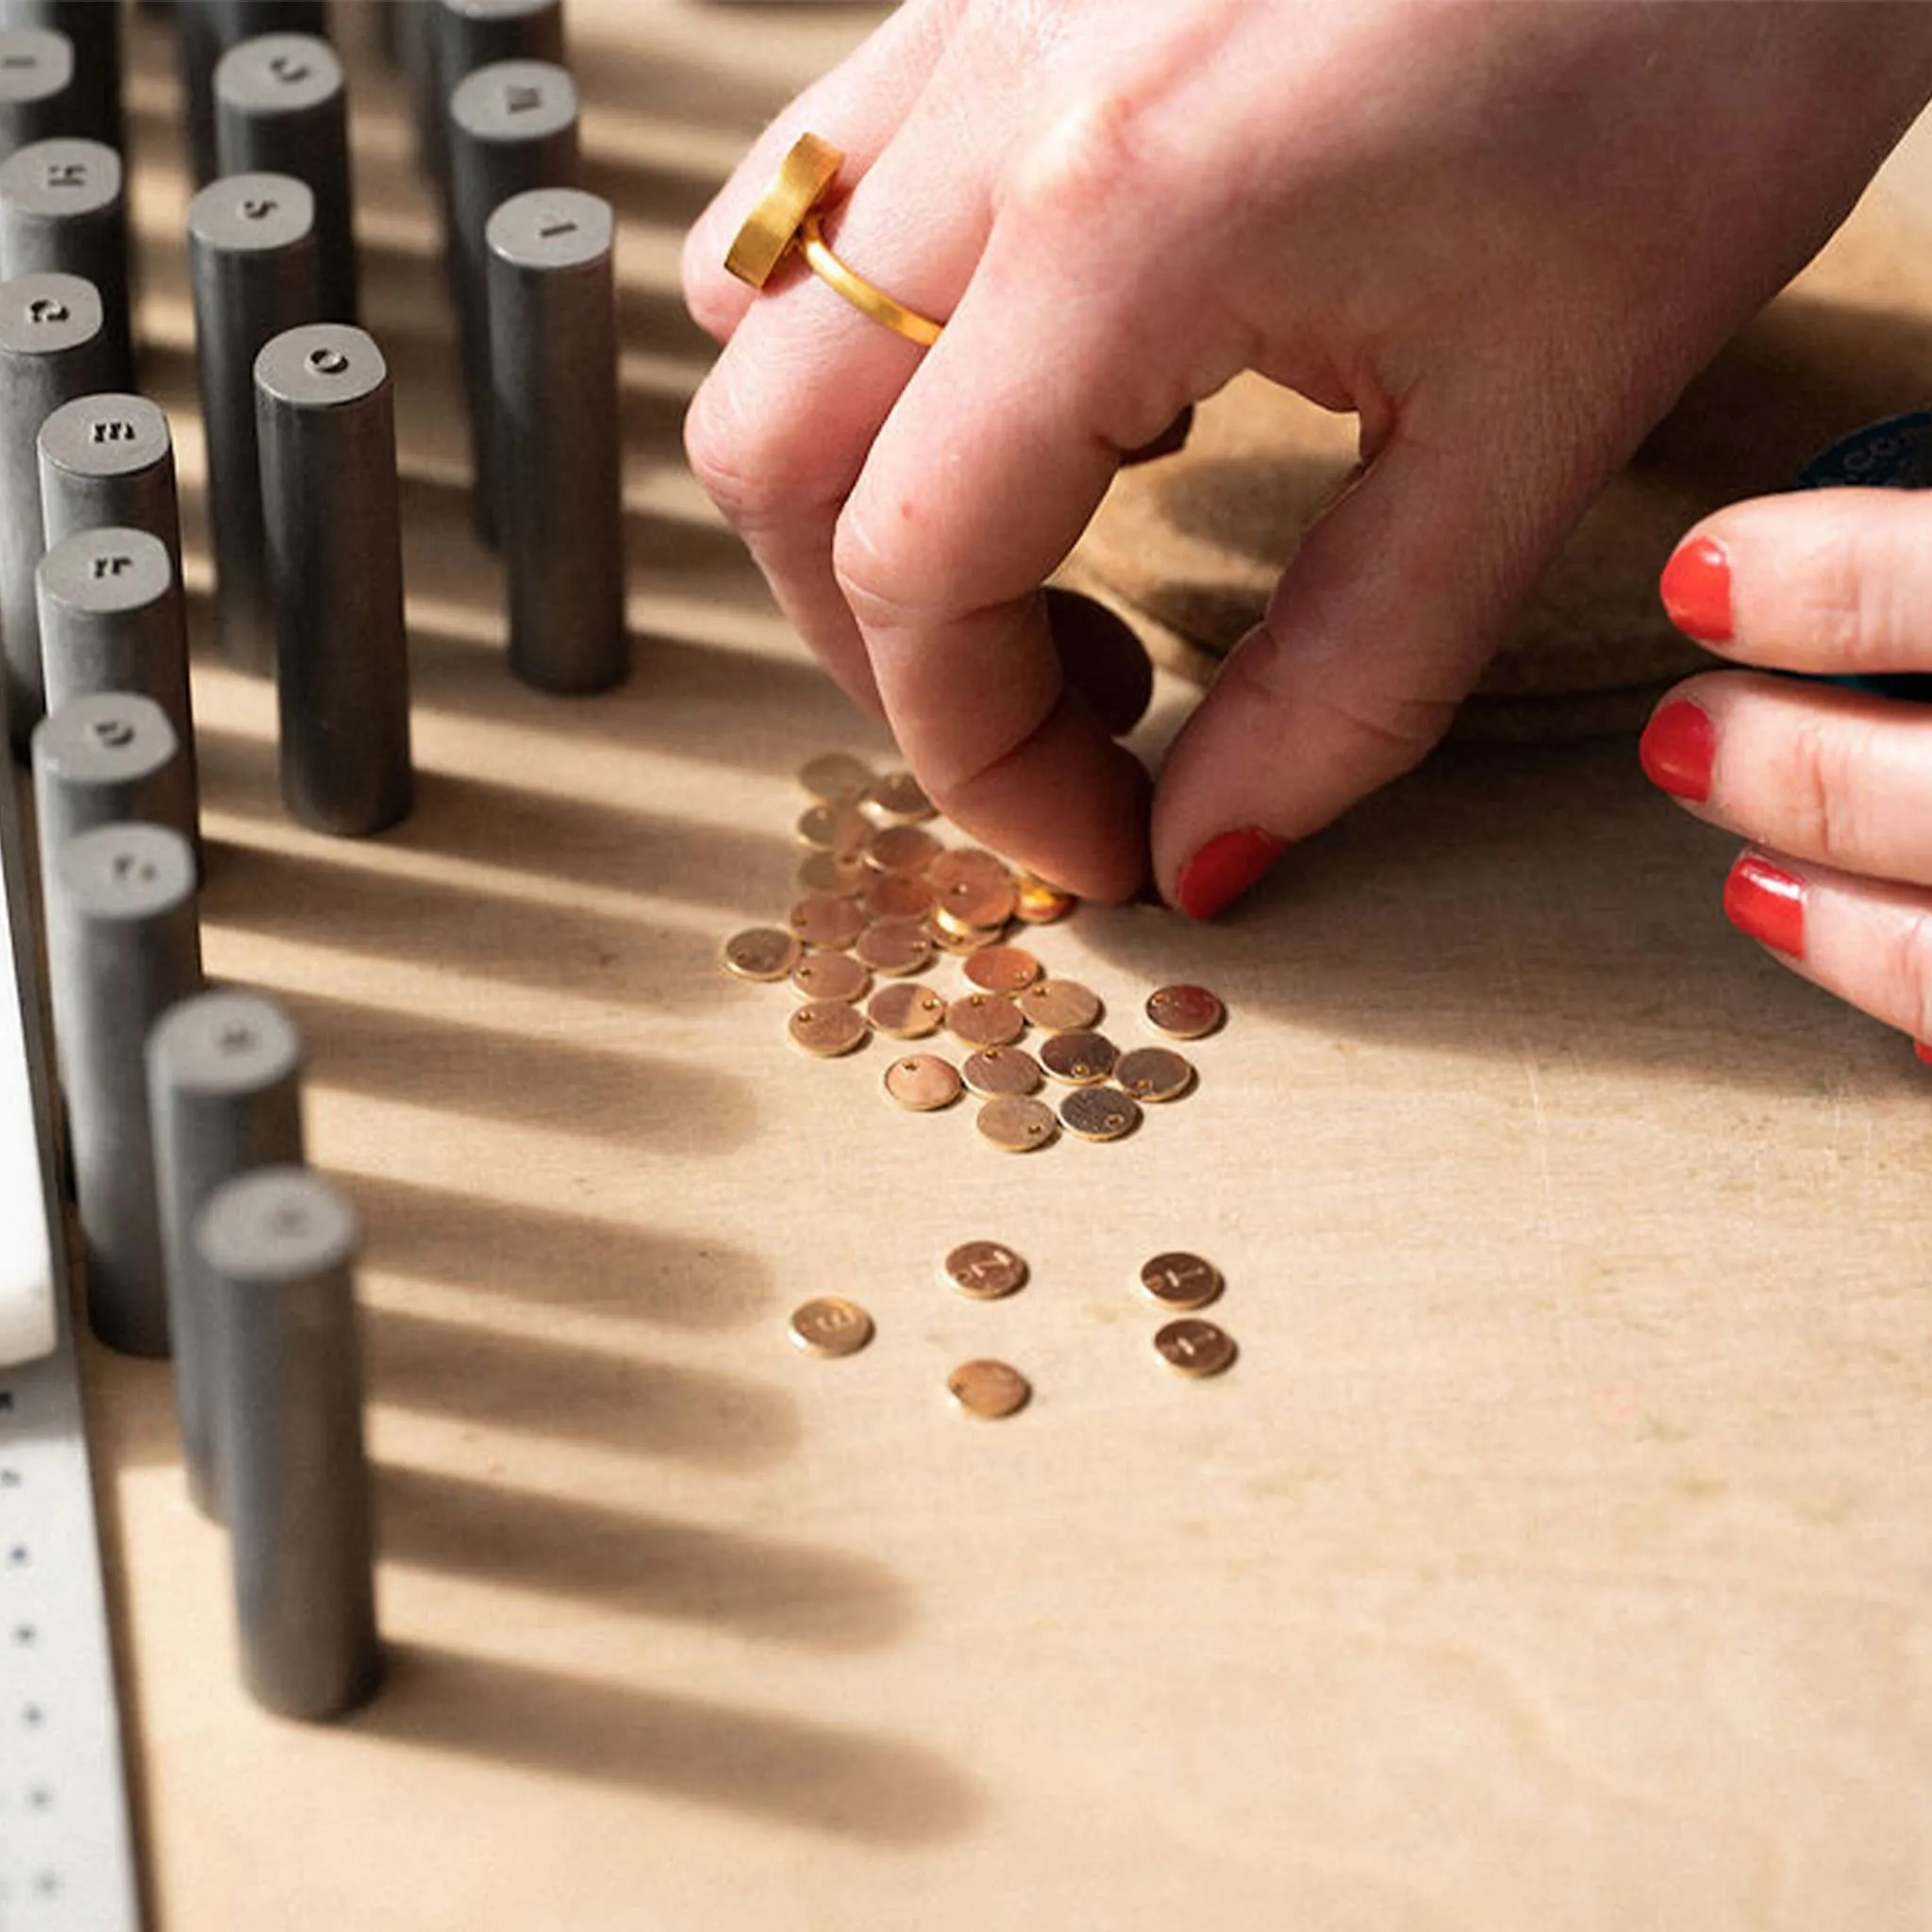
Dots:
(1677, 748)
(1224, 868)
(1696, 590)
(1924, 1051)
(1765, 902)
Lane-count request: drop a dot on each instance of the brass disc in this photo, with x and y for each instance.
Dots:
(1180, 1280)
(895, 947)
(1078, 1058)
(1058, 1005)
(826, 1028)
(923, 1082)
(1017, 1124)
(1153, 1073)
(837, 778)
(901, 848)
(1196, 1348)
(998, 1071)
(809, 168)
(1003, 969)
(830, 1326)
(1036, 903)
(985, 1019)
(840, 828)
(984, 1270)
(1185, 1012)
(1100, 1113)
(842, 875)
(897, 895)
(899, 798)
(989, 1389)
(763, 952)
(831, 977)
(825, 921)
(906, 1012)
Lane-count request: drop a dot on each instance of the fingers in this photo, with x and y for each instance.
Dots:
(1830, 580)
(779, 431)
(1867, 941)
(857, 107)
(1030, 397)
(1834, 777)
(1373, 637)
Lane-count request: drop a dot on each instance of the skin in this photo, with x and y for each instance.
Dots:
(1833, 787)
(1504, 235)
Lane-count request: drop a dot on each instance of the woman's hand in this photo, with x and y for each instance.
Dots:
(1832, 786)
(1504, 235)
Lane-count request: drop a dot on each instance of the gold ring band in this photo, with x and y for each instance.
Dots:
(868, 300)
(787, 216)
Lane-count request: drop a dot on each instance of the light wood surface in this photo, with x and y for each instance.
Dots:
(1556, 1556)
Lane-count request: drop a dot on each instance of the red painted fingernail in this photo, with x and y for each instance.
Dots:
(1765, 902)
(1696, 590)
(1924, 1051)
(1224, 868)
(1677, 748)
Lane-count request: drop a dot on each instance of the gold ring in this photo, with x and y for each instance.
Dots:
(787, 217)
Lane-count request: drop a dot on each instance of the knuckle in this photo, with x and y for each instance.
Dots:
(1857, 610)
(1904, 972)
(759, 466)
(1399, 729)
(1088, 158)
(872, 582)
(1816, 793)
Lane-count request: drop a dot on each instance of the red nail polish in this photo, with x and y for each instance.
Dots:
(1924, 1051)
(1696, 590)
(1677, 749)
(1224, 868)
(1765, 902)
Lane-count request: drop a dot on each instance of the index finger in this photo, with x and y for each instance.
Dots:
(991, 465)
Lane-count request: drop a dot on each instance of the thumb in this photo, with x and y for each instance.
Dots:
(1392, 607)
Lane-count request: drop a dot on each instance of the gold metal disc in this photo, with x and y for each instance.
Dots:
(973, 905)
(985, 1019)
(831, 977)
(897, 895)
(895, 947)
(1017, 1124)
(1003, 969)
(826, 1028)
(837, 777)
(840, 828)
(989, 1389)
(900, 799)
(1185, 1012)
(842, 875)
(1036, 903)
(1100, 1113)
(901, 848)
(995, 1072)
(761, 952)
(1058, 1005)
(1077, 1058)
(1180, 1280)
(809, 168)
(923, 1082)
(830, 1326)
(1153, 1073)
(1194, 1347)
(906, 1012)
(825, 921)
(984, 1270)
(969, 862)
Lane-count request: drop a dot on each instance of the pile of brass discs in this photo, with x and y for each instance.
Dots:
(883, 901)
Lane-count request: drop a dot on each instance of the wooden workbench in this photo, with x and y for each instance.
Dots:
(1556, 1555)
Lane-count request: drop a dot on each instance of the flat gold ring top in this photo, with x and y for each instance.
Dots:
(787, 216)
